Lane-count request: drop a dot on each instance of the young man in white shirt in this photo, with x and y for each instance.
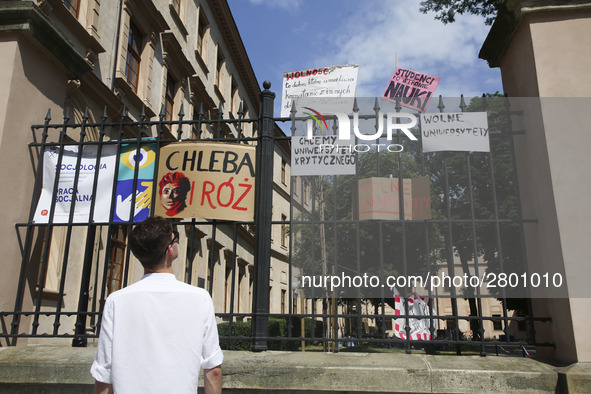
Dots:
(157, 333)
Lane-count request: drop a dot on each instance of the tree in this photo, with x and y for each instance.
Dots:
(446, 10)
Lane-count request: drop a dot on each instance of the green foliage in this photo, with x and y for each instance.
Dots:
(239, 329)
(446, 10)
(318, 327)
(278, 327)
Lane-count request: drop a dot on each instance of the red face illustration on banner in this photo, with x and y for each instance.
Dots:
(173, 189)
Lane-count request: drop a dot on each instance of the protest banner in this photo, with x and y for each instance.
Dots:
(86, 170)
(413, 88)
(208, 180)
(379, 198)
(419, 328)
(321, 155)
(145, 160)
(461, 131)
(334, 81)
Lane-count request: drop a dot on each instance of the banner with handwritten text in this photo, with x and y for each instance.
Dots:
(207, 180)
(413, 89)
(460, 131)
(334, 81)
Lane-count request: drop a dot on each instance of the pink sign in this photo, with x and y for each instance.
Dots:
(414, 89)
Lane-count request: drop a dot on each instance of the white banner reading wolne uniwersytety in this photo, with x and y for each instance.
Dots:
(460, 131)
(65, 187)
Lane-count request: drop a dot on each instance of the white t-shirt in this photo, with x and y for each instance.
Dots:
(155, 335)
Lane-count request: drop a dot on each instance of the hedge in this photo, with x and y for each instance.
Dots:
(277, 328)
(239, 329)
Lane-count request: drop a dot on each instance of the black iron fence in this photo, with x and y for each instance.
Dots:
(254, 269)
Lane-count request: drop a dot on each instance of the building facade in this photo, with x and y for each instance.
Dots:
(125, 61)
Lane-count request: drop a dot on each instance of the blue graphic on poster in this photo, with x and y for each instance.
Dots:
(128, 160)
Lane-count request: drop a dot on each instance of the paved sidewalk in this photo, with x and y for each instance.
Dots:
(61, 369)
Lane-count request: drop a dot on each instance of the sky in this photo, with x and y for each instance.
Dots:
(292, 35)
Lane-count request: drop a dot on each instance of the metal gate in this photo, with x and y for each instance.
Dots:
(69, 268)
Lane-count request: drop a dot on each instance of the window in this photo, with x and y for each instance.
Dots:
(234, 99)
(116, 258)
(250, 286)
(450, 324)
(241, 276)
(169, 97)
(195, 127)
(202, 28)
(283, 170)
(294, 238)
(283, 300)
(284, 231)
(228, 289)
(246, 127)
(219, 67)
(134, 49)
(73, 6)
(176, 6)
(497, 323)
(52, 268)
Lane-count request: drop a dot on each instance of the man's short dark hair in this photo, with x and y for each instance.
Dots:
(149, 239)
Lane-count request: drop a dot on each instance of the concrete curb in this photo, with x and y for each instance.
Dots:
(575, 378)
(59, 369)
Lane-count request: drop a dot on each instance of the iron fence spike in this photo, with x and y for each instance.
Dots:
(376, 105)
(462, 103)
(441, 106)
(355, 106)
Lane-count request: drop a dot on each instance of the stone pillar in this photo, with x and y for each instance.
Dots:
(543, 50)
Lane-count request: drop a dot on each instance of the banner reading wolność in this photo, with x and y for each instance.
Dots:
(321, 82)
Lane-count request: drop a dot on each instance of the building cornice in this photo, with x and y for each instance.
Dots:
(510, 18)
(25, 18)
